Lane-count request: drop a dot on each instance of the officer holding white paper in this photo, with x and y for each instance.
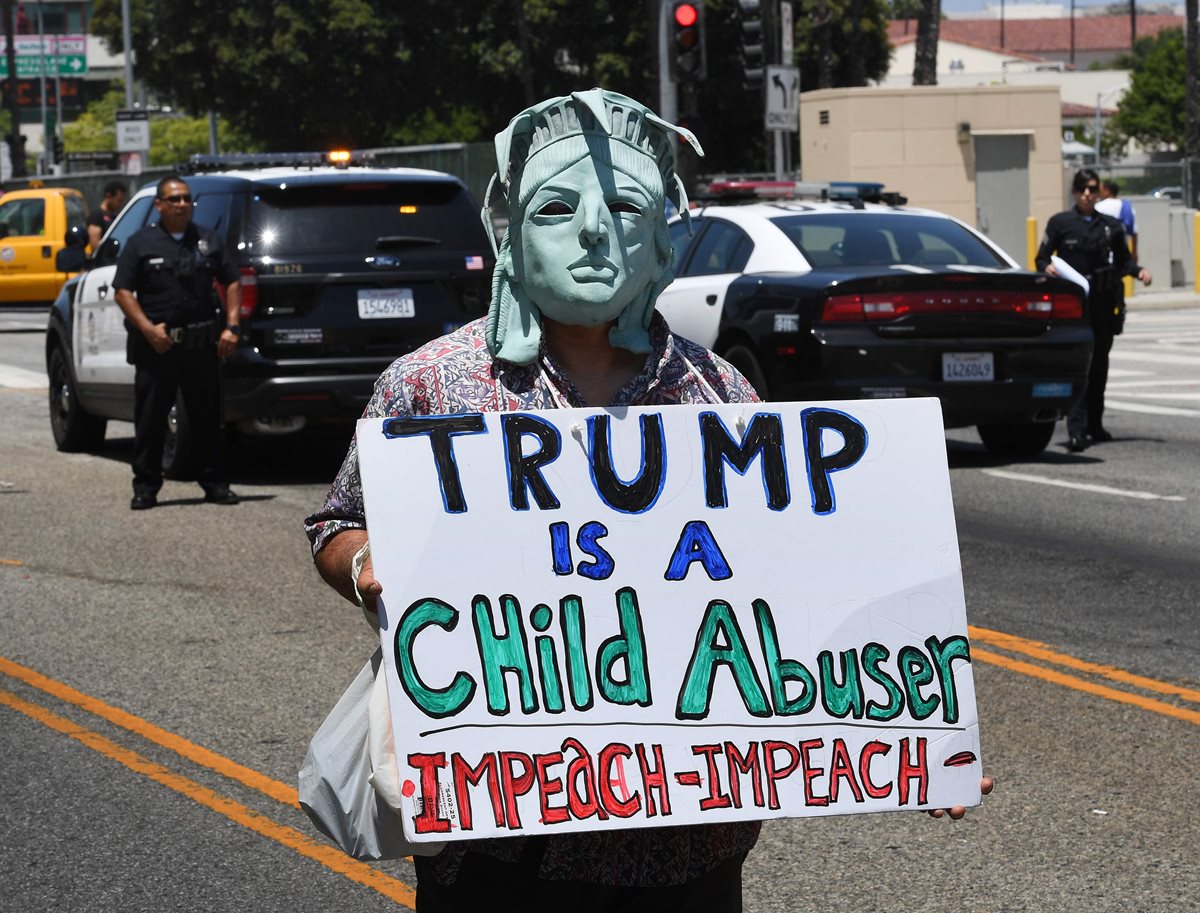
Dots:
(1094, 245)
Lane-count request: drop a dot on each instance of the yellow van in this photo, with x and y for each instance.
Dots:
(33, 229)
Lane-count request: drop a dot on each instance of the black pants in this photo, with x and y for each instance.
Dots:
(1087, 415)
(157, 379)
(486, 883)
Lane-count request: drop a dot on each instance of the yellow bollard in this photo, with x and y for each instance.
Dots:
(1196, 249)
(1031, 242)
(1128, 280)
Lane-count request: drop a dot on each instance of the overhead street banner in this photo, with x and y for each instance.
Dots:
(639, 617)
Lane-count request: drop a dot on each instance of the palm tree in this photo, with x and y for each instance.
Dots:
(928, 21)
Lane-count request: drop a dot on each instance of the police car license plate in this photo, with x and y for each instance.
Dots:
(385, 302)
(968, 366)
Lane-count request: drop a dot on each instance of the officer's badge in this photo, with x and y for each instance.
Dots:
(202, 246)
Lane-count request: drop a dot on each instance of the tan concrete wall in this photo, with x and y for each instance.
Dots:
(908, 138)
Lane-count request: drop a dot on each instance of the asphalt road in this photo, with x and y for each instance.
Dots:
(122, 634)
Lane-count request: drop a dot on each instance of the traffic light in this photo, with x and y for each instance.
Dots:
(689, 58)
(58, 149)
(754, 54)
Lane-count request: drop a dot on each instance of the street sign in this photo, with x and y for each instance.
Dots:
(133, 131)
(60, 55)
(91, 161)
(787, 38)
(783, 98)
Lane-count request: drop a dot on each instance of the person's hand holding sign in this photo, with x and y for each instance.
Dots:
(985, 786)
(346, 565)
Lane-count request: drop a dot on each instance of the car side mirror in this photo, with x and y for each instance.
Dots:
(76, 237)
(70, 259)
(107, 253)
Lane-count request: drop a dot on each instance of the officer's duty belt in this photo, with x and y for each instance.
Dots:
(194, 335)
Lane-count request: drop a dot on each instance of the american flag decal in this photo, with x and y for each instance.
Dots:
(475, 262)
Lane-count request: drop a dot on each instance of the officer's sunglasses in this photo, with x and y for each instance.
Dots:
(177, 198)
(1089, 188)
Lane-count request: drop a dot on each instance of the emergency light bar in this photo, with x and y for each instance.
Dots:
(339, 158)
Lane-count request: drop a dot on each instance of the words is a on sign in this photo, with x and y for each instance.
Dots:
(650, 616)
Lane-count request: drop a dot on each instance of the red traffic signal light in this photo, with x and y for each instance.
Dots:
(688, 62)
(685, 15)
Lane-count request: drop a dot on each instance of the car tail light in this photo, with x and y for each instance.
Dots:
(249, 292)
(880, 306)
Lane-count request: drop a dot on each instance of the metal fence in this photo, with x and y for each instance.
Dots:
(1179, 180)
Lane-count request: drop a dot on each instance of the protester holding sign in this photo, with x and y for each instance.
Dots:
(572, 324)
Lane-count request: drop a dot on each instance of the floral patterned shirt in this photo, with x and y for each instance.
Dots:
(456, 373)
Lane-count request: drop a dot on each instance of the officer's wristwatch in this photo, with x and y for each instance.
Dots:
(234, 329)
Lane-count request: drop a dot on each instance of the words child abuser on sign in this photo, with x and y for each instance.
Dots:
(647, 616)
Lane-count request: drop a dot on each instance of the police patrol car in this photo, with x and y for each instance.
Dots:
(344, 267)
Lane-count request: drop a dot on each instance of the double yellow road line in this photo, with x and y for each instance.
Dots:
(1040, 661)
(318, 851)
(1081, 675)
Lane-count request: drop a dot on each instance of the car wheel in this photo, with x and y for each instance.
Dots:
(1017, 439)
(746, 362)
(75, 430)
(179, 457)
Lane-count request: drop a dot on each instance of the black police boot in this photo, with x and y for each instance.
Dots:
(143, 502)
(220, 495)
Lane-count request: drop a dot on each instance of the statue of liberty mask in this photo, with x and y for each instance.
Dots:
(586, 177)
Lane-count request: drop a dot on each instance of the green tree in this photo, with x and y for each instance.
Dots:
(1152, 111)
(172, 138)
(305, 74)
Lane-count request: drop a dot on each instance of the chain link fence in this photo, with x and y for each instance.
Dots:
(1178, 180)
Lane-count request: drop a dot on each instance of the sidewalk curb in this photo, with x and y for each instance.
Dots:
(1161, 301)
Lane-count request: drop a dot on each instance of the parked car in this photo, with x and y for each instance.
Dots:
(1169, 193)
(34, 225)
(343, 270)
(840, 300)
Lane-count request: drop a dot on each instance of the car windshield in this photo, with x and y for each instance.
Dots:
(24, 217)
(356, 217)
(885, 239)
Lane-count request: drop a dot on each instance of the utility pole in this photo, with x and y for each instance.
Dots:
(16, 140)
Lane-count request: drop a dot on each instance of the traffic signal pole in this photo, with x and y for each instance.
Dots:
(668, 103)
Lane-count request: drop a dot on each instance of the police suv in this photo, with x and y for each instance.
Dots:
(344, 268)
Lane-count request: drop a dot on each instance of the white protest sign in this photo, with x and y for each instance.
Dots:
(651, 616)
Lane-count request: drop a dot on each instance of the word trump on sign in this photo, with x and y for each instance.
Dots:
(651, 616)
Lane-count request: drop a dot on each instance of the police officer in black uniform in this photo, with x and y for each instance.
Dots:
(176, 335)
(1094, 245)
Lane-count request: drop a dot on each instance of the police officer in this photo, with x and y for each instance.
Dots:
(1094, 245)
(165, 287)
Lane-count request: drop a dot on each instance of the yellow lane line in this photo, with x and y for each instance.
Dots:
(197, 754)
(1041, 651)
(1078, 684)
(12, 562)
(331, 858)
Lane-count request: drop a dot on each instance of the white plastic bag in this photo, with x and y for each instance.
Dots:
(350, 782)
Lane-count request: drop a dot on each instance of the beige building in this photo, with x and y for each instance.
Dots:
(988, 155)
